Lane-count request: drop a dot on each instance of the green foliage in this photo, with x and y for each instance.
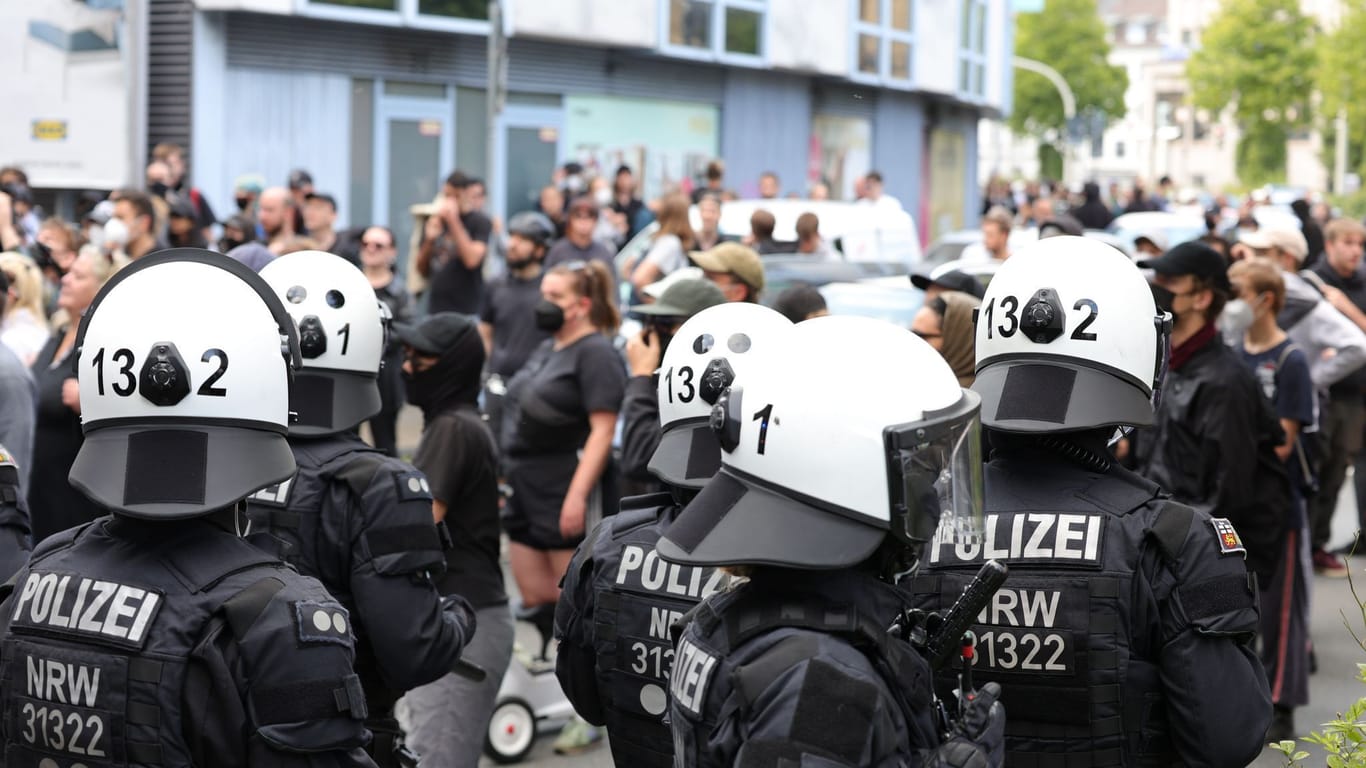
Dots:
(1068, 36)
(1341, 82)
(1050, 162)
(1257, 58)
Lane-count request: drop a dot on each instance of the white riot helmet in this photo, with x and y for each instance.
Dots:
(703, 359)
(1068, 338)
(857, 433)
(184, 360)
(342, 328)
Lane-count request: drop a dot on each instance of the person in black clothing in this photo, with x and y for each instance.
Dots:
(1092, 213)
(360, 521)
(182, 230)
(377, 256)
(455, 241)
(558, 427)
(607, 589)
(1213, 437)
(196, 647)
(14, 526)
(1141, 606)
(628, 204)
(507, 323)
(640, 410)
(821, 500)
(449, 717)
(1313, 233)
(1344, 416)
(53, 504)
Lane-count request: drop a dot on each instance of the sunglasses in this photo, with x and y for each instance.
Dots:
(371, 245)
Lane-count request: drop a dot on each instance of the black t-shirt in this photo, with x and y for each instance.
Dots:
(556, 390)
(456, 454)
(509, 306)
(564, 252)
(456, 288)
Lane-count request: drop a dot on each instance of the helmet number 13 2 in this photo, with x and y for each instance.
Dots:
(1009, 310)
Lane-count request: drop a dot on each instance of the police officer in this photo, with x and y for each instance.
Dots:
(14, 527)
(360, 521)
(1124, 633)
(156, 636)
(618, 599)
(837, 465)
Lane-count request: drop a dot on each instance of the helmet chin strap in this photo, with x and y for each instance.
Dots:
(237, 509)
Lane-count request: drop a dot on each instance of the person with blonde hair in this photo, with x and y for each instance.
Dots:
(669, 249)
(53, 504)
(23, 326)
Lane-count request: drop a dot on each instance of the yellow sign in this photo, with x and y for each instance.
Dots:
(49, 130)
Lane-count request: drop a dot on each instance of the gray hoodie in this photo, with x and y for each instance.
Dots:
(1317, 328)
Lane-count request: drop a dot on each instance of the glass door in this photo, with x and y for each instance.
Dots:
(414, 151)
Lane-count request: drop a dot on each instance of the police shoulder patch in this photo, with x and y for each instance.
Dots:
(6, 459)
(412, 486)
(322, 623)
(1229, 541)
(273, 495)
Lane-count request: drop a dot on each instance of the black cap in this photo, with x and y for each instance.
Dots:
(300, 178)
(1062, 224)
(323, 196)
(1191, 258)
(951, 281)
(182, 207)
(436, 334)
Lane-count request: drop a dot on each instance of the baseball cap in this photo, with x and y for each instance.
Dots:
(182, 207)
(250, 182)
(1062, 224)
(323, 196)
(684, 298)
(1191, 258)
(952, 280)
(436, 333)
(734, 259)
(657, 288)
(300, 178)
(1283, 238)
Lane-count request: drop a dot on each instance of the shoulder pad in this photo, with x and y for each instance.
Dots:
(58, 542)
(1170, 528)
(647, 501)
(1129, 494)
(304, 693)
(9, 470)
(628, 520)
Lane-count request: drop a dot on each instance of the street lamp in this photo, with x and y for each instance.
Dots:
(1069, 107)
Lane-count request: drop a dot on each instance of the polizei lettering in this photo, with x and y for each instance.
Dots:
(66, 603)
(1034, 537)
(691, 675)
(642, 570)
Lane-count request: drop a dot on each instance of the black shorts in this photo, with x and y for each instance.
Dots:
(531, 516)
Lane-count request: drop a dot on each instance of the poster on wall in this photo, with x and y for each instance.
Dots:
(672, 141)
(840, 153)
(948, 176)
(66, 85)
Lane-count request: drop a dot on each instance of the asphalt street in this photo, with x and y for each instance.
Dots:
(1332, 688)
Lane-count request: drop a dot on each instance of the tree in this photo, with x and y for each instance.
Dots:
(1068, 36)
(1257, 58)
(1341, 83)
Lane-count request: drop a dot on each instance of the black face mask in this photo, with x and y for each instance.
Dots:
(549, 316)
(158, 189)
(243, 202)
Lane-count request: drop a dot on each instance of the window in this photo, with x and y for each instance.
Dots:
(722, 29)
(1119, 149)
(972, 49)
(885, 38)
(455, 15)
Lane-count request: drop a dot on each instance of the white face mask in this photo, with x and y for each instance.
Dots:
(1234, 321)
(603, 196)
(115, 233)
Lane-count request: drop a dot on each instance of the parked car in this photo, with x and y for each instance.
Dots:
(858, 233)
(1176, 228)
(892, 298)
(967, 244)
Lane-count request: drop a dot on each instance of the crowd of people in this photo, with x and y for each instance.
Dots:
(539, 418)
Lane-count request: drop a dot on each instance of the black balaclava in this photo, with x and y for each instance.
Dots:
(453, 381)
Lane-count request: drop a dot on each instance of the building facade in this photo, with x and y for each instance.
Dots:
(380, 99)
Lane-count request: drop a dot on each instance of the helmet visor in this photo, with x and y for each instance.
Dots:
(935, 474)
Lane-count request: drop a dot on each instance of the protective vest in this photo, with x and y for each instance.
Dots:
(337, 492)
(94, 659)
(1062, 635)
(713, 661)
(638, 597)
(14, 525)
